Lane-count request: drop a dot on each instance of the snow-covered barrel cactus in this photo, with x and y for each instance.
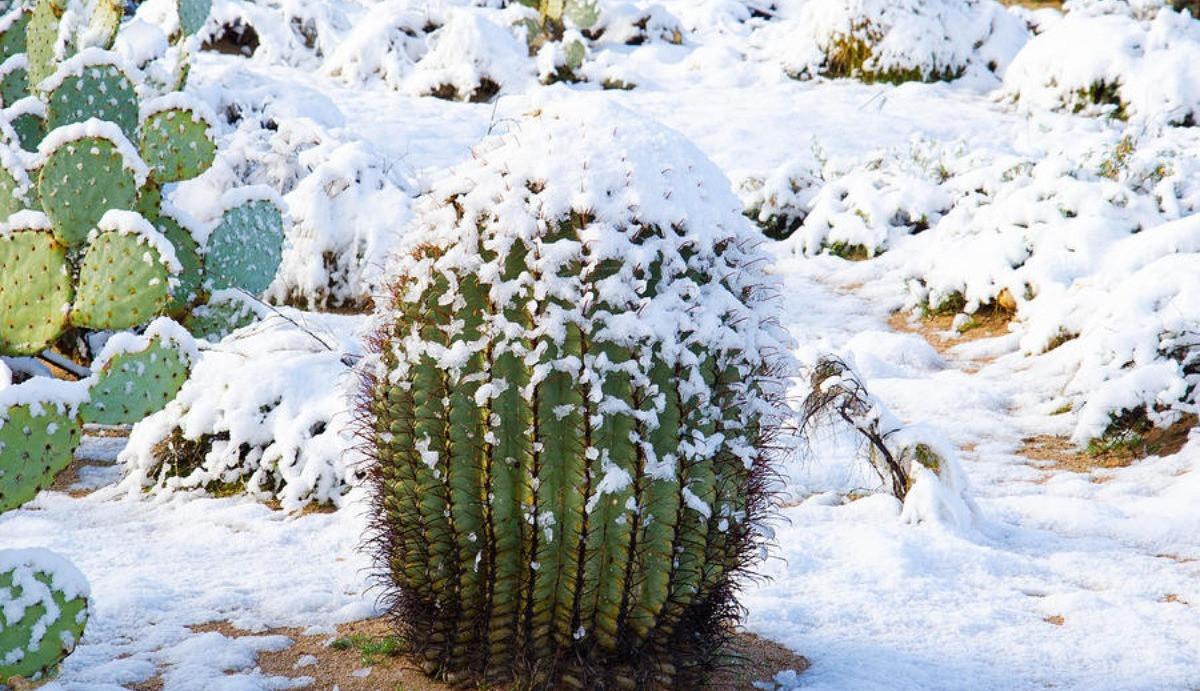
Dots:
(570, 403)
(43, 610)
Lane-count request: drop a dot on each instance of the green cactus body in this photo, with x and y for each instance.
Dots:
(193, 14)
(41, 39)
(45, 616)
(36, 291)
(125, 275)
(14, 184)
(191, 273)
(567, 490)
(14, 80)
(225, 312)
(92, 85)
(37, 441)
(177, 142)
(139, 378)
(246, 247)
(12, 31)
(28, 119)
(90, 168)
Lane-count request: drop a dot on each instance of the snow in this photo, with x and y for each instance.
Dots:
(87, 58)
(93, 127)
(132, 223)
(1005, 572)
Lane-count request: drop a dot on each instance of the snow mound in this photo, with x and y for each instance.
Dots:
(1125, 60)
(471, 58)
(283, 437)
(384, 46)
(892, 40)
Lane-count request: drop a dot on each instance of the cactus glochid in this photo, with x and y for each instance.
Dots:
(574, 385)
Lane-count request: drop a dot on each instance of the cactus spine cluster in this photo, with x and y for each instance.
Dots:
(45, 610)
(568, 407)
(90, 243)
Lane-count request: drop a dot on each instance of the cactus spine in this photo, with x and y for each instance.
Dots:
(568, 407)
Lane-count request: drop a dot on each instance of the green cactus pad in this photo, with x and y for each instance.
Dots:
(223, 314)
(82, 179)
(14, 185)
(123, 282)
(176, 144)
(35, 290)
(133, 385)
(30, 127)
(106, 18)
(193, 14)
(41, 35)
(37, 441)
(12, 33)
(188, 253)
(98, 90)
(46, 614)
(245, 249)
(14, 80)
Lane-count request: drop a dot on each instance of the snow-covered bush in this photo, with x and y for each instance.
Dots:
(383, 45)
(471, 58)
(348, 212)
(913, 463)
(892, 40)
(293, 32)
(580, 330)
(1120, 59)
(277, 431)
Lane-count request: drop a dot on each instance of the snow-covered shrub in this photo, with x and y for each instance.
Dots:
(383, 45)
(913, 463)
(294, 32)
(43, 611)
(1116, 58)
(471, 58)
(347, 213)
(780, 201)
(579, 329)
(892, 40)
(277, 431)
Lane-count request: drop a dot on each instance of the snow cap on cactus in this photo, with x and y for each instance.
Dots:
(579, 329)
(45, 608)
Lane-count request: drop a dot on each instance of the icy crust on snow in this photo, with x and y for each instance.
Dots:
(1143, 53)
(101, 129)
(285, 436)
(649, 199)
(937, 39)
(25, 566)
(347, 214)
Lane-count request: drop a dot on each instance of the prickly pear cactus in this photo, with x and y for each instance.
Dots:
(177, 141)
(125, 275)
(37, 289)
(45, 610)
(137, 376)
(571, 389)
(39, 431)
(92, 85)
(245, 249)
(90, 168)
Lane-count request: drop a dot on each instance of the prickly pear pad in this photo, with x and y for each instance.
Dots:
(139, 375)
(579, 331)
(14, 80)
(92, 84)
(125, 277)
(177, 141)
(43, 611)
(245, 249)
(193, 14)
(39, 431)
(35, 285)
(89, 169)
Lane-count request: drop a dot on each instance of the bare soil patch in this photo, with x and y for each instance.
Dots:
(1061, 454)
(363, 656)
(988, 322)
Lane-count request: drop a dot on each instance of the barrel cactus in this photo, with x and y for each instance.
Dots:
(571, 397)
(45, 609)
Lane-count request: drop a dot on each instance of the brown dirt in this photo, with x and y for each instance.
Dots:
(1061, 454)
(1056, 619)
(990, 322)
(761, 660)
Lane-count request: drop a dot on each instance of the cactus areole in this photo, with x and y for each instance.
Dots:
(573, 390)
